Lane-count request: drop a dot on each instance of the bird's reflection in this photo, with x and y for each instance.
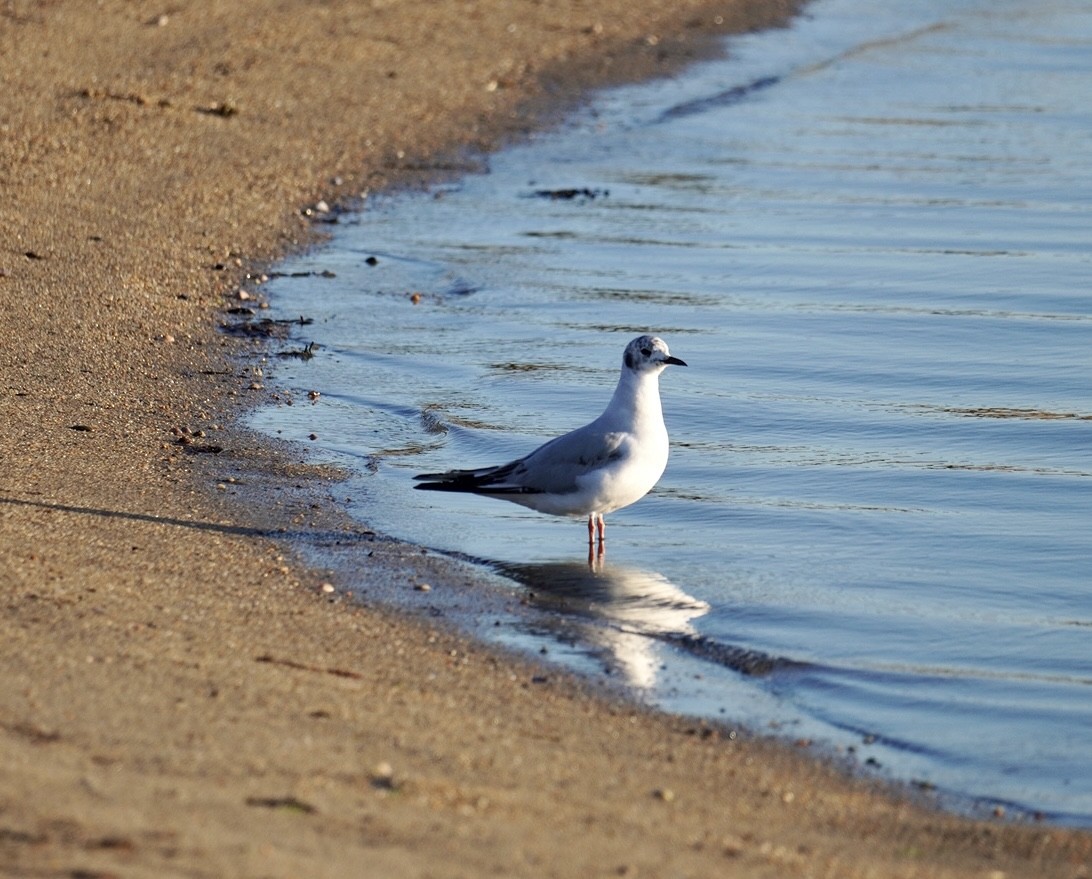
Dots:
(617, 610)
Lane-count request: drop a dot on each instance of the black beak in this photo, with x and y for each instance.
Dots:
(675, 361)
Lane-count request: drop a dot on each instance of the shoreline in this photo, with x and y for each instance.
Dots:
(182, 695)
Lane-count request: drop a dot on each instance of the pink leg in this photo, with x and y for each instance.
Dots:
(591, 529)
(602, 528)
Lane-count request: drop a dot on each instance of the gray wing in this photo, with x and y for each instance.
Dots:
(552, 468)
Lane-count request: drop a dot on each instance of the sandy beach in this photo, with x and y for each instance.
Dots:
(181, 695)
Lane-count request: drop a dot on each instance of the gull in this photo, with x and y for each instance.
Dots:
(595, 469)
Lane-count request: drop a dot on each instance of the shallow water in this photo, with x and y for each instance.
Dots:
(869, 236)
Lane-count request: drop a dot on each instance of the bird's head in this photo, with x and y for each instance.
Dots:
(648, 353)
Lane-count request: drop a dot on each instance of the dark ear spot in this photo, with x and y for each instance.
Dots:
(629, 360)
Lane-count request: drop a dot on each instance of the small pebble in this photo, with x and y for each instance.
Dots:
(243, 295)
(312, 436)
(383, 777)
(327, 587)
(313, 395)
(664, 794)
(733, 846)
(423, 587)
(415, 298)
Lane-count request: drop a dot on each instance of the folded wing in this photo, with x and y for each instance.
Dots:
(553, 468)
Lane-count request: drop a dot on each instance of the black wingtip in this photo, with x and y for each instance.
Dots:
(439, 486)
(445, 482)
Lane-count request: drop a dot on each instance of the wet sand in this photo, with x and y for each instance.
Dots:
(181, 695)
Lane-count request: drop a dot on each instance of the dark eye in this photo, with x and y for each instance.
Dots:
(647, 352)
